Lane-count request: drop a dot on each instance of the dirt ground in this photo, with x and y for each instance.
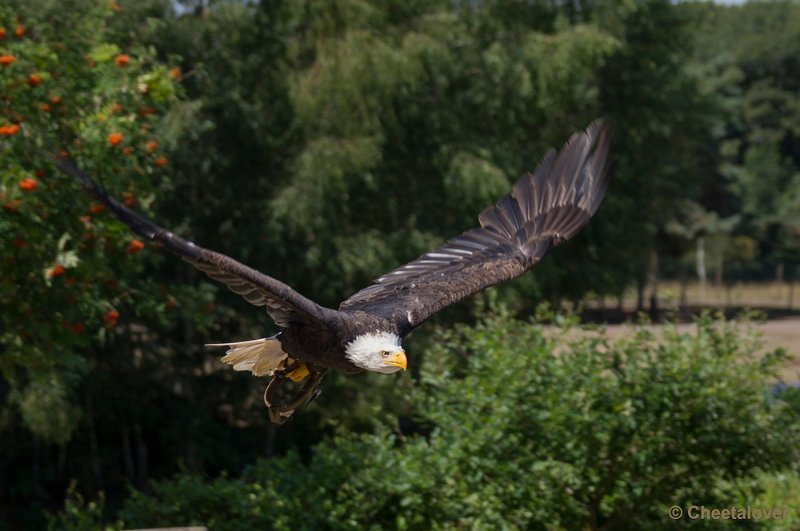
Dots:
(784, 332)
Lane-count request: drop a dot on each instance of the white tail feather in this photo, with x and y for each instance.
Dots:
(259, 356)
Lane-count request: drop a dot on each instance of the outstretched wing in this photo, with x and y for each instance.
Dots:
(284, 305)
(545, 208)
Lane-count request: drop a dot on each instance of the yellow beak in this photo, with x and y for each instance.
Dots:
(397, 359)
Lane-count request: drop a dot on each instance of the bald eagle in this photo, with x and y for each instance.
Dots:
(544, 208)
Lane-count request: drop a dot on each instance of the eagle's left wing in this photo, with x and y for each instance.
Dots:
(545, 208)
(283, 304)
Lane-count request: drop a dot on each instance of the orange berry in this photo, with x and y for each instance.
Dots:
(127, 150)
(116, 107)
(151, 146)
(144, 110)
(121, 60)
(128, 199)
(110, 318)
(6, 60)
(44, 107)
(77, 328)
(97, 208)
(113, 6)
(114, 138)
(12, 205)
(2, 33)
(27, 184)
(135, 246)
(33, 80)
(175, 73)
(57, 269)
(19, 31)
(55, 100)
(160, 161)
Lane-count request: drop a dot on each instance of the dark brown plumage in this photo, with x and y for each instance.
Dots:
(544, 208)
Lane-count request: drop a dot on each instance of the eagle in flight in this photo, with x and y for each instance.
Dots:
(544, 208)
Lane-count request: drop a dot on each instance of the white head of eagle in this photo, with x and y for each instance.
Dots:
(377, 352)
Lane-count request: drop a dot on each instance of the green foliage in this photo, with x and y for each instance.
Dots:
(664, 117)
(80, 515)
(77, 293)
(46, 410)
(523, 426)
(433, 123)
(71, 270)
(754, 72)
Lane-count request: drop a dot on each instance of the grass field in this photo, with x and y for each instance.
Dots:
(758, 295)
(772, 295)
(769, 296)
(776, 333)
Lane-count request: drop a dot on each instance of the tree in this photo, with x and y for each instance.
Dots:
(414, 120)
(71, 292)
(750, 56)
(663, 121)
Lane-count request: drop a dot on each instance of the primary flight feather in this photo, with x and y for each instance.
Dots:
(544, 208)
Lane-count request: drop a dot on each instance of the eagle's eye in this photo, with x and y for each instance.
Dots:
(385, 353)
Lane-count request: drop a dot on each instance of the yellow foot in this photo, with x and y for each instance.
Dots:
(299, 372)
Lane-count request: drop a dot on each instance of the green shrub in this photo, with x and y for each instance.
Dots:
(531, 427)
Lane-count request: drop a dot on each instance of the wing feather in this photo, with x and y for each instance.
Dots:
(543, 209)
(283, 304)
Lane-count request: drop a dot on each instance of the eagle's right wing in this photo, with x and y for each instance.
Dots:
(283, 304)
(545, 208)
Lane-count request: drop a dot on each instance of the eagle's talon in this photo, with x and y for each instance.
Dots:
(280, 413)
(299, 371)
